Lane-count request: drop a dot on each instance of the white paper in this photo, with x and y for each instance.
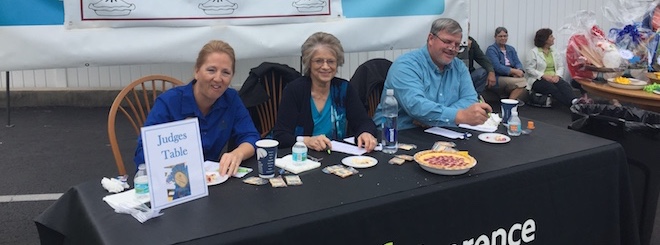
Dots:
(445, 132)
(351, 140)
(347, 148)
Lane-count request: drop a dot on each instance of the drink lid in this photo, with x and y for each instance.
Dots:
(530, 124)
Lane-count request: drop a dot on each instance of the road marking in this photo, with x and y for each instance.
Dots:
(29, 198)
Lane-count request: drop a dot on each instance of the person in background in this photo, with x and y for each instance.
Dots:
(319, 106)
(484, 76)
(544, 68)
(221, 114)
(507, 66)
(432, 86)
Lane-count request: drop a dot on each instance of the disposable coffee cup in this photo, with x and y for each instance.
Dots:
(507, 105)
(266, 154)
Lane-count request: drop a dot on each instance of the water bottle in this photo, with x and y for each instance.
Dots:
(141, 183)
(513, 127)
(299, 152)
(390, 112)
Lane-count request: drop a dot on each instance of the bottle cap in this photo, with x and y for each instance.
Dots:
(390, 91)
(300, 139)
(530, 124)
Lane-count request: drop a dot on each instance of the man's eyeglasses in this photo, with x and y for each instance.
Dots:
(456, 46)
(320, 62)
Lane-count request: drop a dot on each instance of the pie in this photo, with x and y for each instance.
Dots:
(445, 160)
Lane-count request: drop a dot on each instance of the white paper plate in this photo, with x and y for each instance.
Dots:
(359, 161)
(494, 138)
(634, 84)
(214, 178)
(656, 91)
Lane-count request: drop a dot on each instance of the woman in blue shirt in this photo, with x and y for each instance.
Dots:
(218, 108)
(319, 106)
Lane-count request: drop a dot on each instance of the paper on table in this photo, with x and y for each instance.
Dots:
(351, 140)
(347, 148)
(445, 132)
(489, 126)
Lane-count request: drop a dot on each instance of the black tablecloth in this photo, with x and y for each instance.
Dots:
(568, 187)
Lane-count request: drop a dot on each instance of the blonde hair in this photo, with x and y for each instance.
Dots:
(215, 46)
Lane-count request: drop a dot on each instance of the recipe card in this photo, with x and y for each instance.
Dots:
(174, 157)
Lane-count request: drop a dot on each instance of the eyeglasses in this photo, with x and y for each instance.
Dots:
(320, 62)
(452, 45)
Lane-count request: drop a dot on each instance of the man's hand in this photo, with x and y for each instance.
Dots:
(476, 114)
(491, 79)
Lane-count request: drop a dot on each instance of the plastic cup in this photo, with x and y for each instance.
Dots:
(507, 105)
(266, 154)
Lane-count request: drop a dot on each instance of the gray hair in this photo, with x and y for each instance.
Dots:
(500, 29)
(317, 40)
(446, 24)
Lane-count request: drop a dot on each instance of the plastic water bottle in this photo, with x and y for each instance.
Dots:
(141, 183)
(513, 127)
(299, 152)
(390, 112)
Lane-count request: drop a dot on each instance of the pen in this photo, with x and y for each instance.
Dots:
(328, 149)
(481, 100)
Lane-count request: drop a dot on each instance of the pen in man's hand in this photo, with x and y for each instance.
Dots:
(481, 100)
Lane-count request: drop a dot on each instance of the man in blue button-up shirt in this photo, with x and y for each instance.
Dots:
(432, 86)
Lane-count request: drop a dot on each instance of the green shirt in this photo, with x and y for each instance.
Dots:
(549, 62)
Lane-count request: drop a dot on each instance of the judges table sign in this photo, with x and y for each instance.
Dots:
(173, 153)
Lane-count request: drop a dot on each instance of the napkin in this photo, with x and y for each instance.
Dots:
(489, 126)
(126, 203)
(113, 185)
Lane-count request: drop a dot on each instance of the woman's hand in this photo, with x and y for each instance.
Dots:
(317, 143)
(229, 163)
(367, 141)
(516, 72)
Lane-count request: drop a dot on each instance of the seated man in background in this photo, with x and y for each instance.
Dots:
(483, 76)
(431, 85)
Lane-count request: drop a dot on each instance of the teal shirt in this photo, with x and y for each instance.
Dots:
(322, 119)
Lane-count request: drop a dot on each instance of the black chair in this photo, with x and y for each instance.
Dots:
(368, 80)
(262, 91)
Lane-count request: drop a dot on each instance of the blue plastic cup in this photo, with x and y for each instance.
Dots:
(266, 155)
(507, 106)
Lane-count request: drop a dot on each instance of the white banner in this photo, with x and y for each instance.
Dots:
(364, 25)
(178, 13)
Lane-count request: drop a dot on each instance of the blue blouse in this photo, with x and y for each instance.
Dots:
(228, 118)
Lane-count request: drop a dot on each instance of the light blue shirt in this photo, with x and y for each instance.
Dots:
(425, 93)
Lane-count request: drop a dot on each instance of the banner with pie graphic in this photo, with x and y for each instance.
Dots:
(46, 34)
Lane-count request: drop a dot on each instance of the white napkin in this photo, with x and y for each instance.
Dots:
(489, 126)
(126, 203)
(113, 185)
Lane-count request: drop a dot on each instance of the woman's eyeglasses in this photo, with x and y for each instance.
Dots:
(320, 62)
